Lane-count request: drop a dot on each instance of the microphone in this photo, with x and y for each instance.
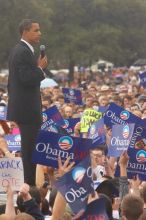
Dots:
(42, 53)
(42, 50)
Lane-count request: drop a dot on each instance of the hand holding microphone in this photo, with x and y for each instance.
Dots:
(42, 61)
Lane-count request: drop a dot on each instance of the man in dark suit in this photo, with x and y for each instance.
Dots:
(24, 103)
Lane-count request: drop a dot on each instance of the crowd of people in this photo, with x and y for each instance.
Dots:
(43, 200)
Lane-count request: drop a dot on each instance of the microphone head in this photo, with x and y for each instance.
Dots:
(42, 47)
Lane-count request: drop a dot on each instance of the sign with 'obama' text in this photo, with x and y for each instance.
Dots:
(117, 115)
(120, 140)
(72, 95)
(51, 116)
(52, 145)
(70, 124)
(11, 173)
(136, 165)
(97, 133)
(13, 142)
(3, 113)
(76, 185)
(138, 139)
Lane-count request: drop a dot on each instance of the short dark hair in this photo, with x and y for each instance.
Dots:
(26, 25)
(35, 194)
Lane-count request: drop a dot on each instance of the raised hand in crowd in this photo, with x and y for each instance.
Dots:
(10, 210)
(29, 204)
(64, 168)
(108, 168)
(60, 202)
(77, 129)
(24, 192)
(123, 181)
(135, 184)
(123, 161)
(4, 148)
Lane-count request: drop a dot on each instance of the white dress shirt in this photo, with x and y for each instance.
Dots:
(29, 45)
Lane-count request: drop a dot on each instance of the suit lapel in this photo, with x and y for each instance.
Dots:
(25, 45)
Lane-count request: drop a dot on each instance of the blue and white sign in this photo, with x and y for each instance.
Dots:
(14, 142)
(138, 140)
(137, 164)
(76, 185)
(70, 124)
(102, 108)
(120, 140)
(51, 145)
(51, 116)
(72, 95)
(3, 113)
(118, 115)
(142, 77)
(97, 133)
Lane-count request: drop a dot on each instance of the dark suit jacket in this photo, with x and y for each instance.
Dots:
(24, 104)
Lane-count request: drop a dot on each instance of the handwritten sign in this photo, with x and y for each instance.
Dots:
(11, 173)
(89, 116)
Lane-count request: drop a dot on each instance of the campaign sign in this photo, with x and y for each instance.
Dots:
(51, 145)
(137, 164)
(88, 117)
(70, 124)
(72, 95)
(102, 109)
(51, 116)
(56, 128)
(118, 115)
(76, 185)
(138, 139)
(97, 133)
(14, 142)
(142, 77)
(3, 113)
(11, 173)
(120, 140)
(96, 210)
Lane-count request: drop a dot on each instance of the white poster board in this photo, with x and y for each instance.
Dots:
(11, 172)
